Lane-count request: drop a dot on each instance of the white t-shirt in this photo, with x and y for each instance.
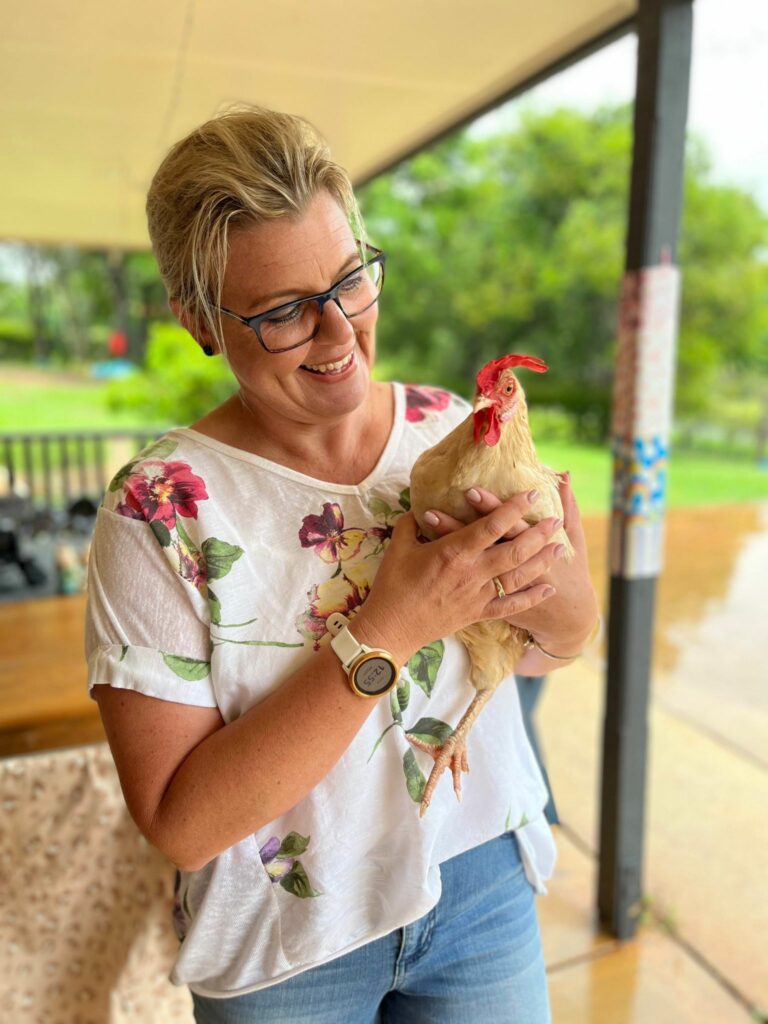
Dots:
(212, 572)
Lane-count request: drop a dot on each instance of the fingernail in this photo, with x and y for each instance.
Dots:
(431, 518)
(567, 476)
(558, 552)
(557, 524)
(549, 591)
(473, 495)
(533, 496)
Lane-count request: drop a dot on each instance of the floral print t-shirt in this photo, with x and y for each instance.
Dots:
(212, 574)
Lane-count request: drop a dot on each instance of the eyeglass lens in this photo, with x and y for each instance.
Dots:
(295, 324)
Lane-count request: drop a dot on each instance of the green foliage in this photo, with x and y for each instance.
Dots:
(178, 384)
(508, 242)
(515, 242)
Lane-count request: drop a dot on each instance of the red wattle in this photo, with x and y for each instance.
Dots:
(486, 426)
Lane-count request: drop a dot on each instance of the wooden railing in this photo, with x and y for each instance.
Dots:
(53, 470)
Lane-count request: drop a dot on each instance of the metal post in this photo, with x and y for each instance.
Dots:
(642, 407)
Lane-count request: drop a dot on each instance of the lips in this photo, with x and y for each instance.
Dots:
(332, 369)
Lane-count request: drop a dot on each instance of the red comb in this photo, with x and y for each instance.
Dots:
(491, 371)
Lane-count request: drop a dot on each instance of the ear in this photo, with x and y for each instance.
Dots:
(199, 331)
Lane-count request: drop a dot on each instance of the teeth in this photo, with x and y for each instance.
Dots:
(325, 367)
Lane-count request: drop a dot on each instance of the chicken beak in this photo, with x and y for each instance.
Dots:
(482, 402)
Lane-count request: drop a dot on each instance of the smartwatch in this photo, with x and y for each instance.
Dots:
(371, 671)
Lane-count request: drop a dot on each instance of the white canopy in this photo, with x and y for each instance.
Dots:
(94, 93)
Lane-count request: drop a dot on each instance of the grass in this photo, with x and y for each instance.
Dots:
(35, 400)
(693, 479)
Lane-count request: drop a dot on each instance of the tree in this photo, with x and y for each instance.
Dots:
(516, 242)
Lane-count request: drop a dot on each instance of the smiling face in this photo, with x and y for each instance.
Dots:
(275, 262)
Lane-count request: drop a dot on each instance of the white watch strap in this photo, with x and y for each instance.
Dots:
(343, 643)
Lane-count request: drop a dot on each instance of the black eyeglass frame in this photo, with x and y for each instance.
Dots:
(254, 322)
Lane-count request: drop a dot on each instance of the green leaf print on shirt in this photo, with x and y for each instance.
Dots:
(280, 863)
(402, 694)
(424, 665)
(162, 533)
(523, 820)
(423, 668)
(214, 608)
(219, 557)
(415, 780)
(191, 669)
(431, 730)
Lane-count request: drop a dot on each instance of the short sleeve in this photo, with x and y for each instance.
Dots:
(146, 628)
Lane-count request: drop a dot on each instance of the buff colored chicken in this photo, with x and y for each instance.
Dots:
(492, 448)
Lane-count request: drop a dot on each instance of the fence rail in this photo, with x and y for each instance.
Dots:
(53, 470)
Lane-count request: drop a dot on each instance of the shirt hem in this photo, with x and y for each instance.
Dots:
(208, 993)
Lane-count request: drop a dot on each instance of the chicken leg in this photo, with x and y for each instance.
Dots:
(452, 751)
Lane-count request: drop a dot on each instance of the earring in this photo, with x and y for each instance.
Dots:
(208, 350)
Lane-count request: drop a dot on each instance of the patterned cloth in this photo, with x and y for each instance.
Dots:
(85, 901)
(212, 574)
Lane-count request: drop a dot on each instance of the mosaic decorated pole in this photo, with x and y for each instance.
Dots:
(642, 418)
(640, 428)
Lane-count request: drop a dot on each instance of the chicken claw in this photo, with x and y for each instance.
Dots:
(452, 751)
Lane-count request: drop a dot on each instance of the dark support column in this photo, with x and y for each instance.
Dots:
(641, 423)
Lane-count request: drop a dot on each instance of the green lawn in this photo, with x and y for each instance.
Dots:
(693, 479)
(36, 401)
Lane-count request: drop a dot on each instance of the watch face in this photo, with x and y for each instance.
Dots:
(374, 676)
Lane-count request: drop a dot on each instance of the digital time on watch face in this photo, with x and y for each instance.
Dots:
(374, 676)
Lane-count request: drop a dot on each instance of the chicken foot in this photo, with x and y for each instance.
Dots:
(452, 751)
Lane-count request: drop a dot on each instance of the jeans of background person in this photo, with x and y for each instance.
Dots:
(476, 956)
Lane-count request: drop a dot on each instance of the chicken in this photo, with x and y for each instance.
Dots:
(492, 448)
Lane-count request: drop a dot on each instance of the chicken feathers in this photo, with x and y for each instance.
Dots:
(492, 448)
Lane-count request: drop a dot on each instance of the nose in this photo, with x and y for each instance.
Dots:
(333, 322)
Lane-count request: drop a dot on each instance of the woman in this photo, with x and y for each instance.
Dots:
(308, 888)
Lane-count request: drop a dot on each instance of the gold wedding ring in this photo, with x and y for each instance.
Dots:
(499, 589)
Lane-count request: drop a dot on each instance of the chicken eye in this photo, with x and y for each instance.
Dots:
(509, 388)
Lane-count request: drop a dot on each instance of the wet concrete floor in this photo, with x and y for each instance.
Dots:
(710, 659)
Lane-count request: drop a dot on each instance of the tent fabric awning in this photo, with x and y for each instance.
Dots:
(94, 93)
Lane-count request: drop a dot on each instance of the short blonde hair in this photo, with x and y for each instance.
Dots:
(243, 167)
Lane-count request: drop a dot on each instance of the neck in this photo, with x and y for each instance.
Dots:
(343, 451)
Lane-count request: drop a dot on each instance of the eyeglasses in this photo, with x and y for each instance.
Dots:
(293, 324)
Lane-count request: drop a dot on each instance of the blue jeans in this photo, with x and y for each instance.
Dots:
(476, 956)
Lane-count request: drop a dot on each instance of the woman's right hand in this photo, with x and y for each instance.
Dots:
(423, 592)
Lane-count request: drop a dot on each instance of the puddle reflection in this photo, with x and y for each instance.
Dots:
(710, 659)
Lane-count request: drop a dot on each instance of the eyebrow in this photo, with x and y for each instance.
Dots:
(351, 260)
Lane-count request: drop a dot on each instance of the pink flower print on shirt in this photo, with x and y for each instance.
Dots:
(326, 534)
(160, 491)
(421, 399)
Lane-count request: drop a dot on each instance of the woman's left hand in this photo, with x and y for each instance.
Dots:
(566, 619)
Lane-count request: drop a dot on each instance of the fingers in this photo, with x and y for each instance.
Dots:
(521, 600)
(571, 515)
(406, 528)
(516, 571)
(486, 502)
(488, 529)
(441, 524)
(521, 549)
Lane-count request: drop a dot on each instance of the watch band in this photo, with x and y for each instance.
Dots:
(343, 642)
(371, 671)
